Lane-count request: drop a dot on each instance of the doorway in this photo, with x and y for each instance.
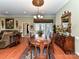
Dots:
(25, 28)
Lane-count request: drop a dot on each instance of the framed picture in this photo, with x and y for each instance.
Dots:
(9, 23)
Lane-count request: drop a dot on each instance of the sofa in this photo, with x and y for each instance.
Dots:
(4, 41)
(9, 38)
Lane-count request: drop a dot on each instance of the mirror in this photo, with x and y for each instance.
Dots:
(66, 22)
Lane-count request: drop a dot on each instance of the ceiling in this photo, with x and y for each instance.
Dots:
(25, 7)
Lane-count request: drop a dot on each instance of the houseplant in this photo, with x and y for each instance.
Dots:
(40, 32)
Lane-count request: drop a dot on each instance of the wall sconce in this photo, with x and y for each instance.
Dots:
(2, 23)
(16, 23)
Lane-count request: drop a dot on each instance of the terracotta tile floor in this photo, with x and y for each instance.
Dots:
(16, 52)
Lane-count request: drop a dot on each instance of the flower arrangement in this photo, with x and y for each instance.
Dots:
(40, 32)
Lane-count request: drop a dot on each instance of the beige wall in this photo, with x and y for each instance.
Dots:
(21, 20)
(73, 7)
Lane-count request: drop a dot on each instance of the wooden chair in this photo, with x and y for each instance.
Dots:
(42, 47)
(52, 42)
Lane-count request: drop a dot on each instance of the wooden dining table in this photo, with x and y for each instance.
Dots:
(41, 44)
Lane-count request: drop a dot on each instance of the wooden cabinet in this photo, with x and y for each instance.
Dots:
(69, 45)
(66, 43)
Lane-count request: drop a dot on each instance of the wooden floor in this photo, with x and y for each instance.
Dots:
(13, 52)
(16, 52)
(59, 54)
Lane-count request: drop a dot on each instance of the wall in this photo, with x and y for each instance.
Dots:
(21, 20)
(72, 6)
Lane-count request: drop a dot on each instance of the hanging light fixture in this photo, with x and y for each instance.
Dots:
(38, 17)
(38, 3)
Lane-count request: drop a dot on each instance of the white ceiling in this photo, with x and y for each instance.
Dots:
(25, 7)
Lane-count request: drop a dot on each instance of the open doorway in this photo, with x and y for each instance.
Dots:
(25, 28)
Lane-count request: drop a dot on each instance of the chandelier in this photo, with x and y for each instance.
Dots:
(38, 17)
(38, 3)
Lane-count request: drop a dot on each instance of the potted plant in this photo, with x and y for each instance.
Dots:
(40, 32)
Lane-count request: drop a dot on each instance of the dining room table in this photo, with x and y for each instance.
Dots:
(41, 44)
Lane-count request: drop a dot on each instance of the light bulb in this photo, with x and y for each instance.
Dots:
(39, 16)
(35, 17)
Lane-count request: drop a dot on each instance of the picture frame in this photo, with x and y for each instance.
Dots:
(9, 23)
(66, 21)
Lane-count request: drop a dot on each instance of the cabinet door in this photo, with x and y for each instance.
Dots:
(69, 44)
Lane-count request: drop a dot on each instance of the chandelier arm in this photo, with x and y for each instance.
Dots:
(38, 10)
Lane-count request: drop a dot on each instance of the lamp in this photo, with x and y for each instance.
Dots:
(38, 16)
(38, 3)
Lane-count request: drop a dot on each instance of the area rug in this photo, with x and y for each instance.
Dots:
(30, 55)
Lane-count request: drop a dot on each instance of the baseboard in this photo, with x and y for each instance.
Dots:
(77, 53)
(76, 45)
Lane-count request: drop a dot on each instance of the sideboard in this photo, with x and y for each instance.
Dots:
(66, 43)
